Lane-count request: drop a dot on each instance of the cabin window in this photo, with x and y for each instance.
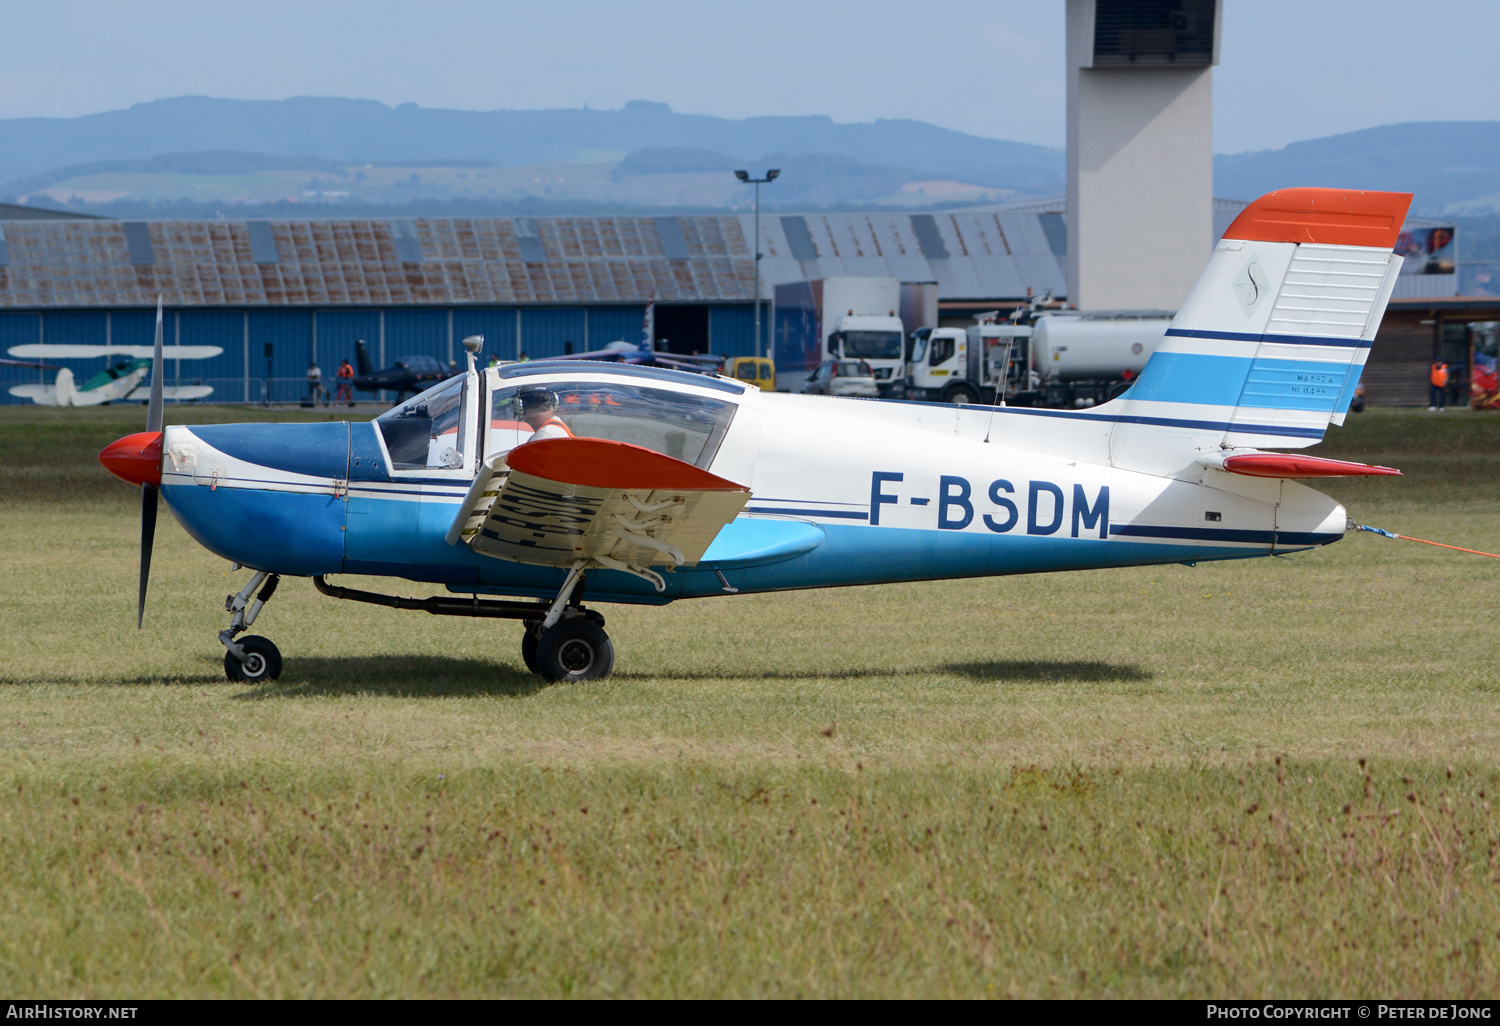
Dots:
(745, 371)
(941, 352)
(424, 432)
(684, 427)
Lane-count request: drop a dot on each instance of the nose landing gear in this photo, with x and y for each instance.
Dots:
(252, 659)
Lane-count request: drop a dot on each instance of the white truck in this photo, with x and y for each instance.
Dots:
(846, 318)
(1058, 358)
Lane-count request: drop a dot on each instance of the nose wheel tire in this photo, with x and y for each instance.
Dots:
(262, 661)
(575, 649)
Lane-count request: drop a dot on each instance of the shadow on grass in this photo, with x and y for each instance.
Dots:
(1077, 672)
(422, 676)
(998, 672)
(398, 677)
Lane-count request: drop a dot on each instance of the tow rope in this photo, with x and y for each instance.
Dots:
(1424, 541)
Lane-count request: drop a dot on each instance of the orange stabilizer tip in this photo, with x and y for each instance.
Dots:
(1289, 465)
(135, 459)
(1332, 217)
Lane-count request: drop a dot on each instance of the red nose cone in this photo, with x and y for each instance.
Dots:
(135, 458)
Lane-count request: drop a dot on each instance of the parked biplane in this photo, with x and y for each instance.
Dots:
(122, 378)
(650, 485)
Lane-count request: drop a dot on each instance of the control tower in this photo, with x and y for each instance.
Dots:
(1140, 149)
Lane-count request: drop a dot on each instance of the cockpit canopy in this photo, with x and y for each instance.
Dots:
(428, 430)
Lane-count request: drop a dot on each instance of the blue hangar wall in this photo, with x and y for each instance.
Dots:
(298, 337)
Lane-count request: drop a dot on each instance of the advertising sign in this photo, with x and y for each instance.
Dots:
(1428, 250)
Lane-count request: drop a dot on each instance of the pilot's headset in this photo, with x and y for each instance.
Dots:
(529, 400)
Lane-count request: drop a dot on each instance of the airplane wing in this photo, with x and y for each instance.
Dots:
(62, 351)
(143, 392)
(557, 501)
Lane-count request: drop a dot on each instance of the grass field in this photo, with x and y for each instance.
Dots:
(1262, 778)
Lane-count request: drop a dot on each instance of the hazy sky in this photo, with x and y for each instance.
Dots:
(1291, 69)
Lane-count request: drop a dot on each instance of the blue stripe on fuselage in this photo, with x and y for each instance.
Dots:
(301, 534)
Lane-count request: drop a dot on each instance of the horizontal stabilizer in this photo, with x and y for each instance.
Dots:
(178, 392)
(1291, 465)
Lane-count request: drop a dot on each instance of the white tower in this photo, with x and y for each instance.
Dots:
(1140, 149)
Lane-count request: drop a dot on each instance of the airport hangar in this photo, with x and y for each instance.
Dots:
(543, 286)
(546, 286)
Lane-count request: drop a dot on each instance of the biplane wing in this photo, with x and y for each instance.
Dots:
(68, 351)
(558, 501)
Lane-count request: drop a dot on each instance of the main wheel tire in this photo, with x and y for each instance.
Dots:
(262, 661)
(962, 395)
(529, 642)
(575, 649)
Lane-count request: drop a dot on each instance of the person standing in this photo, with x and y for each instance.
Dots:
(346, 383)
(1438, 377)
(314, 381)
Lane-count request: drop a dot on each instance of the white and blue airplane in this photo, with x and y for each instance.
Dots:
(650, 485)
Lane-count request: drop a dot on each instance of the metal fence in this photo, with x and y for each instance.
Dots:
(273, 391)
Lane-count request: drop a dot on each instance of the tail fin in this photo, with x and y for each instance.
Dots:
(1269, 346)
(362, 359)
(64, 389)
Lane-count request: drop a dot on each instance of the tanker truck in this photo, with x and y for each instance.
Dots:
(1057, 358)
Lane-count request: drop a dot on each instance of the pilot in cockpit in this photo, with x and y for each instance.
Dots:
(538, 408)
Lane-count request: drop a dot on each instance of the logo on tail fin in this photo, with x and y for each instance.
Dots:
(1250, 286)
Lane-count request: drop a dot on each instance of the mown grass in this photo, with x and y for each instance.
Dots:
(1267, 778)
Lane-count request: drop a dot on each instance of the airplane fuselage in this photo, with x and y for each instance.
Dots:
(843, 492)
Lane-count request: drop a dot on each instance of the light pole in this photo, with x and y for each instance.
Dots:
(744, 176)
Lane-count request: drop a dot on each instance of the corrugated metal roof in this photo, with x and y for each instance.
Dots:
(20, 212)
(521, 261)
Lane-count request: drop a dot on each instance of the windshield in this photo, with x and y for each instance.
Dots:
(853, 369)
(872, 345)
(684, 427)
(423, 432)
(918, 349)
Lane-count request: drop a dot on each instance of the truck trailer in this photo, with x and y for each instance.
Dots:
(845, 318)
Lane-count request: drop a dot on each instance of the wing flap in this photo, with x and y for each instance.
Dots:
(557, 501)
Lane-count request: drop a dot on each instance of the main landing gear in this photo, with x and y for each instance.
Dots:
(562, 641)
(569, 643)
(252, 659)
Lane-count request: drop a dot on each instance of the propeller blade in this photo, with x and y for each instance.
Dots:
(154, 408)
(149, 496)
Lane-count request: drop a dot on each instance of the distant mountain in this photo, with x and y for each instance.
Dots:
(1453, 167)
(352, 131)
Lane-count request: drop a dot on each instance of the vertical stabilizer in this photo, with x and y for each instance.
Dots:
(64, 389)
(362, 359)
(1270, 344)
